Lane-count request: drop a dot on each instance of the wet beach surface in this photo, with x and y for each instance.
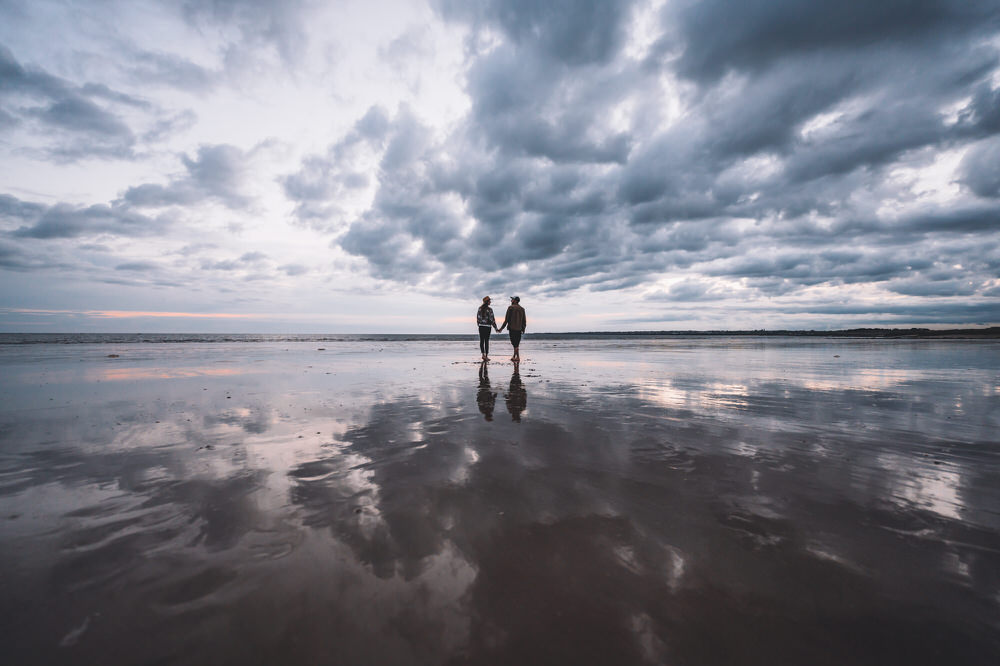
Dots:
(683, 501)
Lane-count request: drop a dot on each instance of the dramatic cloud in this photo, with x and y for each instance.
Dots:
(981, 168)
(766, 159)
(719, 37)
(792, 129)
(67, 221)
(151, 67)
(218, 172)
(31, 94)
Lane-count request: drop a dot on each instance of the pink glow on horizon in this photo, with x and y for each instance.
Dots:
(131, 374)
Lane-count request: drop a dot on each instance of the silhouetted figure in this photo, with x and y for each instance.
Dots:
(486, 398)
(516, 397)
(516, 322)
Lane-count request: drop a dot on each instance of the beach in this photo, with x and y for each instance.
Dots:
(607, 501)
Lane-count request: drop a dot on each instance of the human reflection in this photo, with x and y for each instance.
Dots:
(565, 535)
(516, 397)
(486, 398)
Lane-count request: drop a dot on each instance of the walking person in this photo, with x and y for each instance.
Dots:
(486, 321)
(516, 322)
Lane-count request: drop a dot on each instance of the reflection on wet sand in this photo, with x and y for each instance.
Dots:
(516, 396)
(132, 373)
(669, 519)
(486, 398)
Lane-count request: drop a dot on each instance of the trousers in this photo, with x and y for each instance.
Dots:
(484, 339)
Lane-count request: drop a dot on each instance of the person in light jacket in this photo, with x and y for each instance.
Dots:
(485, 320)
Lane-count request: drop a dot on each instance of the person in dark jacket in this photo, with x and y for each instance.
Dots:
(485, 320)
(516, 322)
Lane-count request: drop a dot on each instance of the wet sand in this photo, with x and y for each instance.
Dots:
(688, 501)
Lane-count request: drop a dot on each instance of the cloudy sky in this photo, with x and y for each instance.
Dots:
(379, 166)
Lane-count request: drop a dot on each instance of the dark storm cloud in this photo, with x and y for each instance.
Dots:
(804, 267)
(29, 220)
(216, 173)
(576, 32)
(521, 213)
(781, 168)
(961, 220)
(922, 287)
(15, 257)
(877, 115)
(168, 69)
(137, 266)
(939, 311)
(89, 129)
(68, 221)
(29, 80)
(983, 114)
(963, 312)
(522, 106)
(14, 209)
(82, 115)
(720, 36)
(981, 168)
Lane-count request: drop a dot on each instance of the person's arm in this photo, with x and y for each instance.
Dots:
(494, 322)
(504, 324)
(524, 327)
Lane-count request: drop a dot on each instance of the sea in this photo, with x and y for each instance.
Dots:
(393, 499)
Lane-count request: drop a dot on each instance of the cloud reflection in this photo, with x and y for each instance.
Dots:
(676, 518)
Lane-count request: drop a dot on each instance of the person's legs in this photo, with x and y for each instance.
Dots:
(484, 340)
(515, 341)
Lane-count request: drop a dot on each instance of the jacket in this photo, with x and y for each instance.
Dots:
(484, 316)
(515, 319)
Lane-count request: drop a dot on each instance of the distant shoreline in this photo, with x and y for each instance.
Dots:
(6, 339)
(958, 333)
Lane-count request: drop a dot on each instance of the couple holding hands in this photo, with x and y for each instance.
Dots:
(514, 321)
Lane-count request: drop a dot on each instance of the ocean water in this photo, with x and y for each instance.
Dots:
(391, 500)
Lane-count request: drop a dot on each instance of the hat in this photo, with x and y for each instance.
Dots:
(516, 299)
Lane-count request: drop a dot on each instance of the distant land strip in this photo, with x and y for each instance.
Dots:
(957, 333)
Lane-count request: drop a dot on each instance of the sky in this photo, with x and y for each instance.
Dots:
(380, 166)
